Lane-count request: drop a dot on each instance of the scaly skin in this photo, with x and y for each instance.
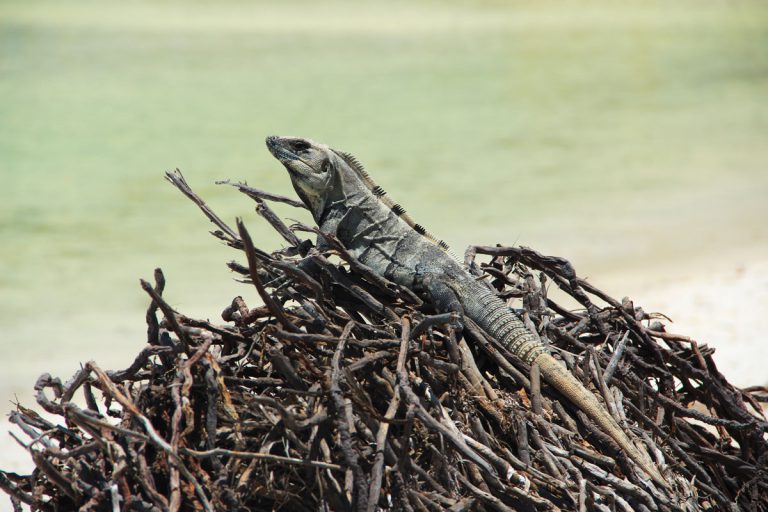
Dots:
(339, 195)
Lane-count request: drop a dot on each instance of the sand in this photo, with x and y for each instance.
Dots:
(724, 306)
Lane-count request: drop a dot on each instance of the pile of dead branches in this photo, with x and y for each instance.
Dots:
(345, 392)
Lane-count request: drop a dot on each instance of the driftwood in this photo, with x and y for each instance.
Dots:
(345, 392)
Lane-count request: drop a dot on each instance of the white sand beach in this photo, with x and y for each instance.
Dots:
(723, 305)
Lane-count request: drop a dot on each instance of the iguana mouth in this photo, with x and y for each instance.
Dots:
(283, 154)
(278, 150)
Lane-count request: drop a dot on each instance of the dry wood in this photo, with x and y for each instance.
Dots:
(345, 392)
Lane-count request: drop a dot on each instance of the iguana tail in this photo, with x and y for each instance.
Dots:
(498, 320)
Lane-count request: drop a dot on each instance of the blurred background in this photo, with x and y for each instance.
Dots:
(628, 137)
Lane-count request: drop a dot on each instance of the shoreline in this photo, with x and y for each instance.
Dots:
(720, 305)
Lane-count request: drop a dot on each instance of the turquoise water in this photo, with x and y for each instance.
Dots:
(620, 135)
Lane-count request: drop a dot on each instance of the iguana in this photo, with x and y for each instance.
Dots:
(345, 202)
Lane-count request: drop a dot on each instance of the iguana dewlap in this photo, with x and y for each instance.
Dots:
(345, 202)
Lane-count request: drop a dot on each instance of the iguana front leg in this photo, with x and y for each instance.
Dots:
(307, 264)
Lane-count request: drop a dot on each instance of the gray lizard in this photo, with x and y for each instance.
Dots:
(345, 202)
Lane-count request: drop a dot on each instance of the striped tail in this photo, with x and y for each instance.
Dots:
(499, 321)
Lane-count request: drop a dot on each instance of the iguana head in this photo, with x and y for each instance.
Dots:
(322, 176)
(315, 169)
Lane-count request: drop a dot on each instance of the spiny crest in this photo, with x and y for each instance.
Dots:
(381, 194)
(358, 167)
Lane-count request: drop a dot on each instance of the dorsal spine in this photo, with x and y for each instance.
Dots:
(382, 195)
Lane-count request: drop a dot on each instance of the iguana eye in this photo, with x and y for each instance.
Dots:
(300, 145)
